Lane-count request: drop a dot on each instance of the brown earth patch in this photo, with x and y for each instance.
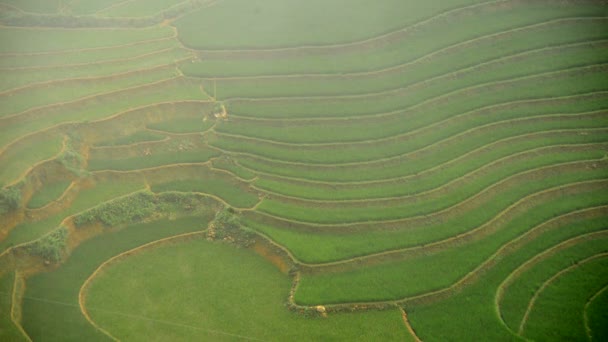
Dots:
(268, 252)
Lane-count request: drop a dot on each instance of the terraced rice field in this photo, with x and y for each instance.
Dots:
(303, 170)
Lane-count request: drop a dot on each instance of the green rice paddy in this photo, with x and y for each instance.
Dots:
(322, 170)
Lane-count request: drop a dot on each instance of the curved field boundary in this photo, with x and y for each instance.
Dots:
(472, 153)
(117, 115)
(388, 159)
(366, 43)
(46, 53)
(548, 282)
(409, 327)
(515, 274)
(16, 300)
(399, 112)
(468, 279)
(115, 4)
(425, 58)
(586, 315)
(41, 113)
(61, 203)
(77, 65)
(488, 191)
(85, 98)
(593, 68)
(24, 174)
(171, 171)
(474, 234)
(67, 81)
(66, 222)
(86, 285)
(31, 113)
(401, 223)
(382, 180)
(487, 167)
(409, 135)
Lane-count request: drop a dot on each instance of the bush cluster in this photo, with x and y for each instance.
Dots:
(10, 198)
(120, 211)
(228, 227)
(50, 247)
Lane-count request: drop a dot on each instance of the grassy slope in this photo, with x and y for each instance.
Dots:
(399, 279)
(217, 300)
(278, 23)
(8, 330)
(57, 291)
(48, 193)
(474, 306)
(87, 198)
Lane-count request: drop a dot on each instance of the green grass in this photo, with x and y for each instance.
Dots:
(477, 300)
(198, 155)
(36, 6)
(402, 166)
(87, 198)
(520, 185)
(495, 70)
(560, 83)
(289, 23)
(234, 192)
(185, 125)
(598, 318)
(237, 283)
(82, 57)
(327, 245)
(26, 40)
(91, 6)
(518, 294)
(16, 161)
(438, 177)
(19, 77)
(73, 90)
(447, 146)
(57, 291)
(137, 137)
(8, 330)
(48, 193)
(558, 313)
(423, 42)
(139, 8)
(419, 274)
(231, 166)
(103, 106)
(414, 122)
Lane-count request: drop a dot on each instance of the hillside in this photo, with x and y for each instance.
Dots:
(303, 170)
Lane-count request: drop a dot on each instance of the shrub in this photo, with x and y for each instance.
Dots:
(50, 247)
(123, 210)
(226, 226)
(10, 198)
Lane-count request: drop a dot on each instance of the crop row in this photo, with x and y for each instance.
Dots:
(511, 36)
(80, 75)
(444, 176)
(88, 196)
(17, 41)
(395, 280)
(477, 298)
(443, 147)
(79, 59)
(319, 244)
(99, 107)
(447, 79)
